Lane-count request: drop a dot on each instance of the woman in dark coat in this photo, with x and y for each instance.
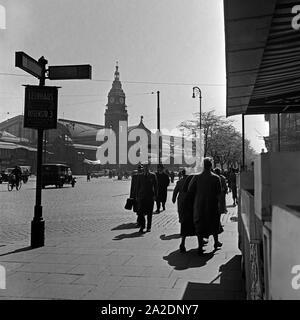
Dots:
(207, 189)
(184, 207)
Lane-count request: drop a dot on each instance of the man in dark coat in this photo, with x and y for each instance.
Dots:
(133, 191)
(163, 182)
(232, 184)
(146, 193)
(207, 189)
(224, 190)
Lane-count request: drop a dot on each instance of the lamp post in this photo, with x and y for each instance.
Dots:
(197, 92)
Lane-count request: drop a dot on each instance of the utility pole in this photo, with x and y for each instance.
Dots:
(158, 129)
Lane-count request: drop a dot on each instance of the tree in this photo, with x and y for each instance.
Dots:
(221, 139)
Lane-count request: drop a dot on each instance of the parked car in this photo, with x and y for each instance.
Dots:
(57, 175)
(25, 173)
(97, 174)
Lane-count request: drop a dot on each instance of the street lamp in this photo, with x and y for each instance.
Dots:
(197, 92)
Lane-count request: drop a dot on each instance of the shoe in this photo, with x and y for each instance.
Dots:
(157, 211)
(182, 248)
(141, 230)
(148, 230)
(218, 245)
(164, 208)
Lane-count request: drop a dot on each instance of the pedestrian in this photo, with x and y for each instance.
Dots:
(88, 177)
(232, 182)
(207, 189)
(172, 176)
(146, 193)
(224, 190)
(133, 191)
(163, 182)
(184, 208)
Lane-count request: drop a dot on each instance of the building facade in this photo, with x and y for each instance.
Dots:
(75, 142)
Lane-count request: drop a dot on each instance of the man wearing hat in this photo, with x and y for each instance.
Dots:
(146, 192)
(163, 181)
(133, 187)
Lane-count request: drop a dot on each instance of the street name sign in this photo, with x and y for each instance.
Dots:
(65, 72)
(40, 107)
(28, 64)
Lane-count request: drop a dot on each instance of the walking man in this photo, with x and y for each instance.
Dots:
(133, 189)
(232, 182)
(207, 189)
(224, 190)
(163, 182)
(146, 192)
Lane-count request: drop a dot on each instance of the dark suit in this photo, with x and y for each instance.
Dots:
(146, 192)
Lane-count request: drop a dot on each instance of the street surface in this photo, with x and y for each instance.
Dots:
(93, 206)
(93, 249)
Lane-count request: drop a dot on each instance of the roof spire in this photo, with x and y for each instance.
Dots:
(117, 73)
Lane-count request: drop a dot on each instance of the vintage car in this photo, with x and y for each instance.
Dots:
(57, 175)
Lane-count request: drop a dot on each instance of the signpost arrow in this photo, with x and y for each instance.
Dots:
(28, 64)
(83, 71)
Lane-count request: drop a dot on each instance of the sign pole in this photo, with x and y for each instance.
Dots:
(38, 223)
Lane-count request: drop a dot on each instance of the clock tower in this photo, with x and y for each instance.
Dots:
(116, 109)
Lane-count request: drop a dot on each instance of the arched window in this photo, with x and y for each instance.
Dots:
(2, 17)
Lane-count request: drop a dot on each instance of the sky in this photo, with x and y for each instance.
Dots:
(160, 45)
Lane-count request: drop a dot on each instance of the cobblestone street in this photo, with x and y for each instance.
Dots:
(93, 206)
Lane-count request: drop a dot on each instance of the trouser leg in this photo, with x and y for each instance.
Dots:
(157, 205)
(141, 220)
(149, 221)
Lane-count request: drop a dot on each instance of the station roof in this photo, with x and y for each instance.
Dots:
(262, 57)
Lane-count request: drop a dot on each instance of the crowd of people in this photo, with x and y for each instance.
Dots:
(201, 199)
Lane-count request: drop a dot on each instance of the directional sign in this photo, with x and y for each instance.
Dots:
(28, 64)
(40, 107)
(66, 72)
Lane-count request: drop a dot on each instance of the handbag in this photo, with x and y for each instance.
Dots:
(130, 202)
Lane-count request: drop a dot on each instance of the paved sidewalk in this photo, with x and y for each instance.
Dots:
(121, 264)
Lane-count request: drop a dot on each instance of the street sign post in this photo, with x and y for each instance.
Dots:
(28, 64)
(83, 71)
(40, 107)
(41, 113)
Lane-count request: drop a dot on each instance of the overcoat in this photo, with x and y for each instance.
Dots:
(207, 189)
(146, 192)
(163, 182)
(184, 206)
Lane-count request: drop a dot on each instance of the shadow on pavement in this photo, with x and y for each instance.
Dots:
(128, 235)
(16, 251)
(229, 286)
(189, 259)
(170, 237)
(125, 226)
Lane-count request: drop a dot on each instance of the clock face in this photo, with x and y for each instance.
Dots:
(111, 99)
(121, 100)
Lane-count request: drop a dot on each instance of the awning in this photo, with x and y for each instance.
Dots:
(262, 57)
(85, 146)
(12, 146)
